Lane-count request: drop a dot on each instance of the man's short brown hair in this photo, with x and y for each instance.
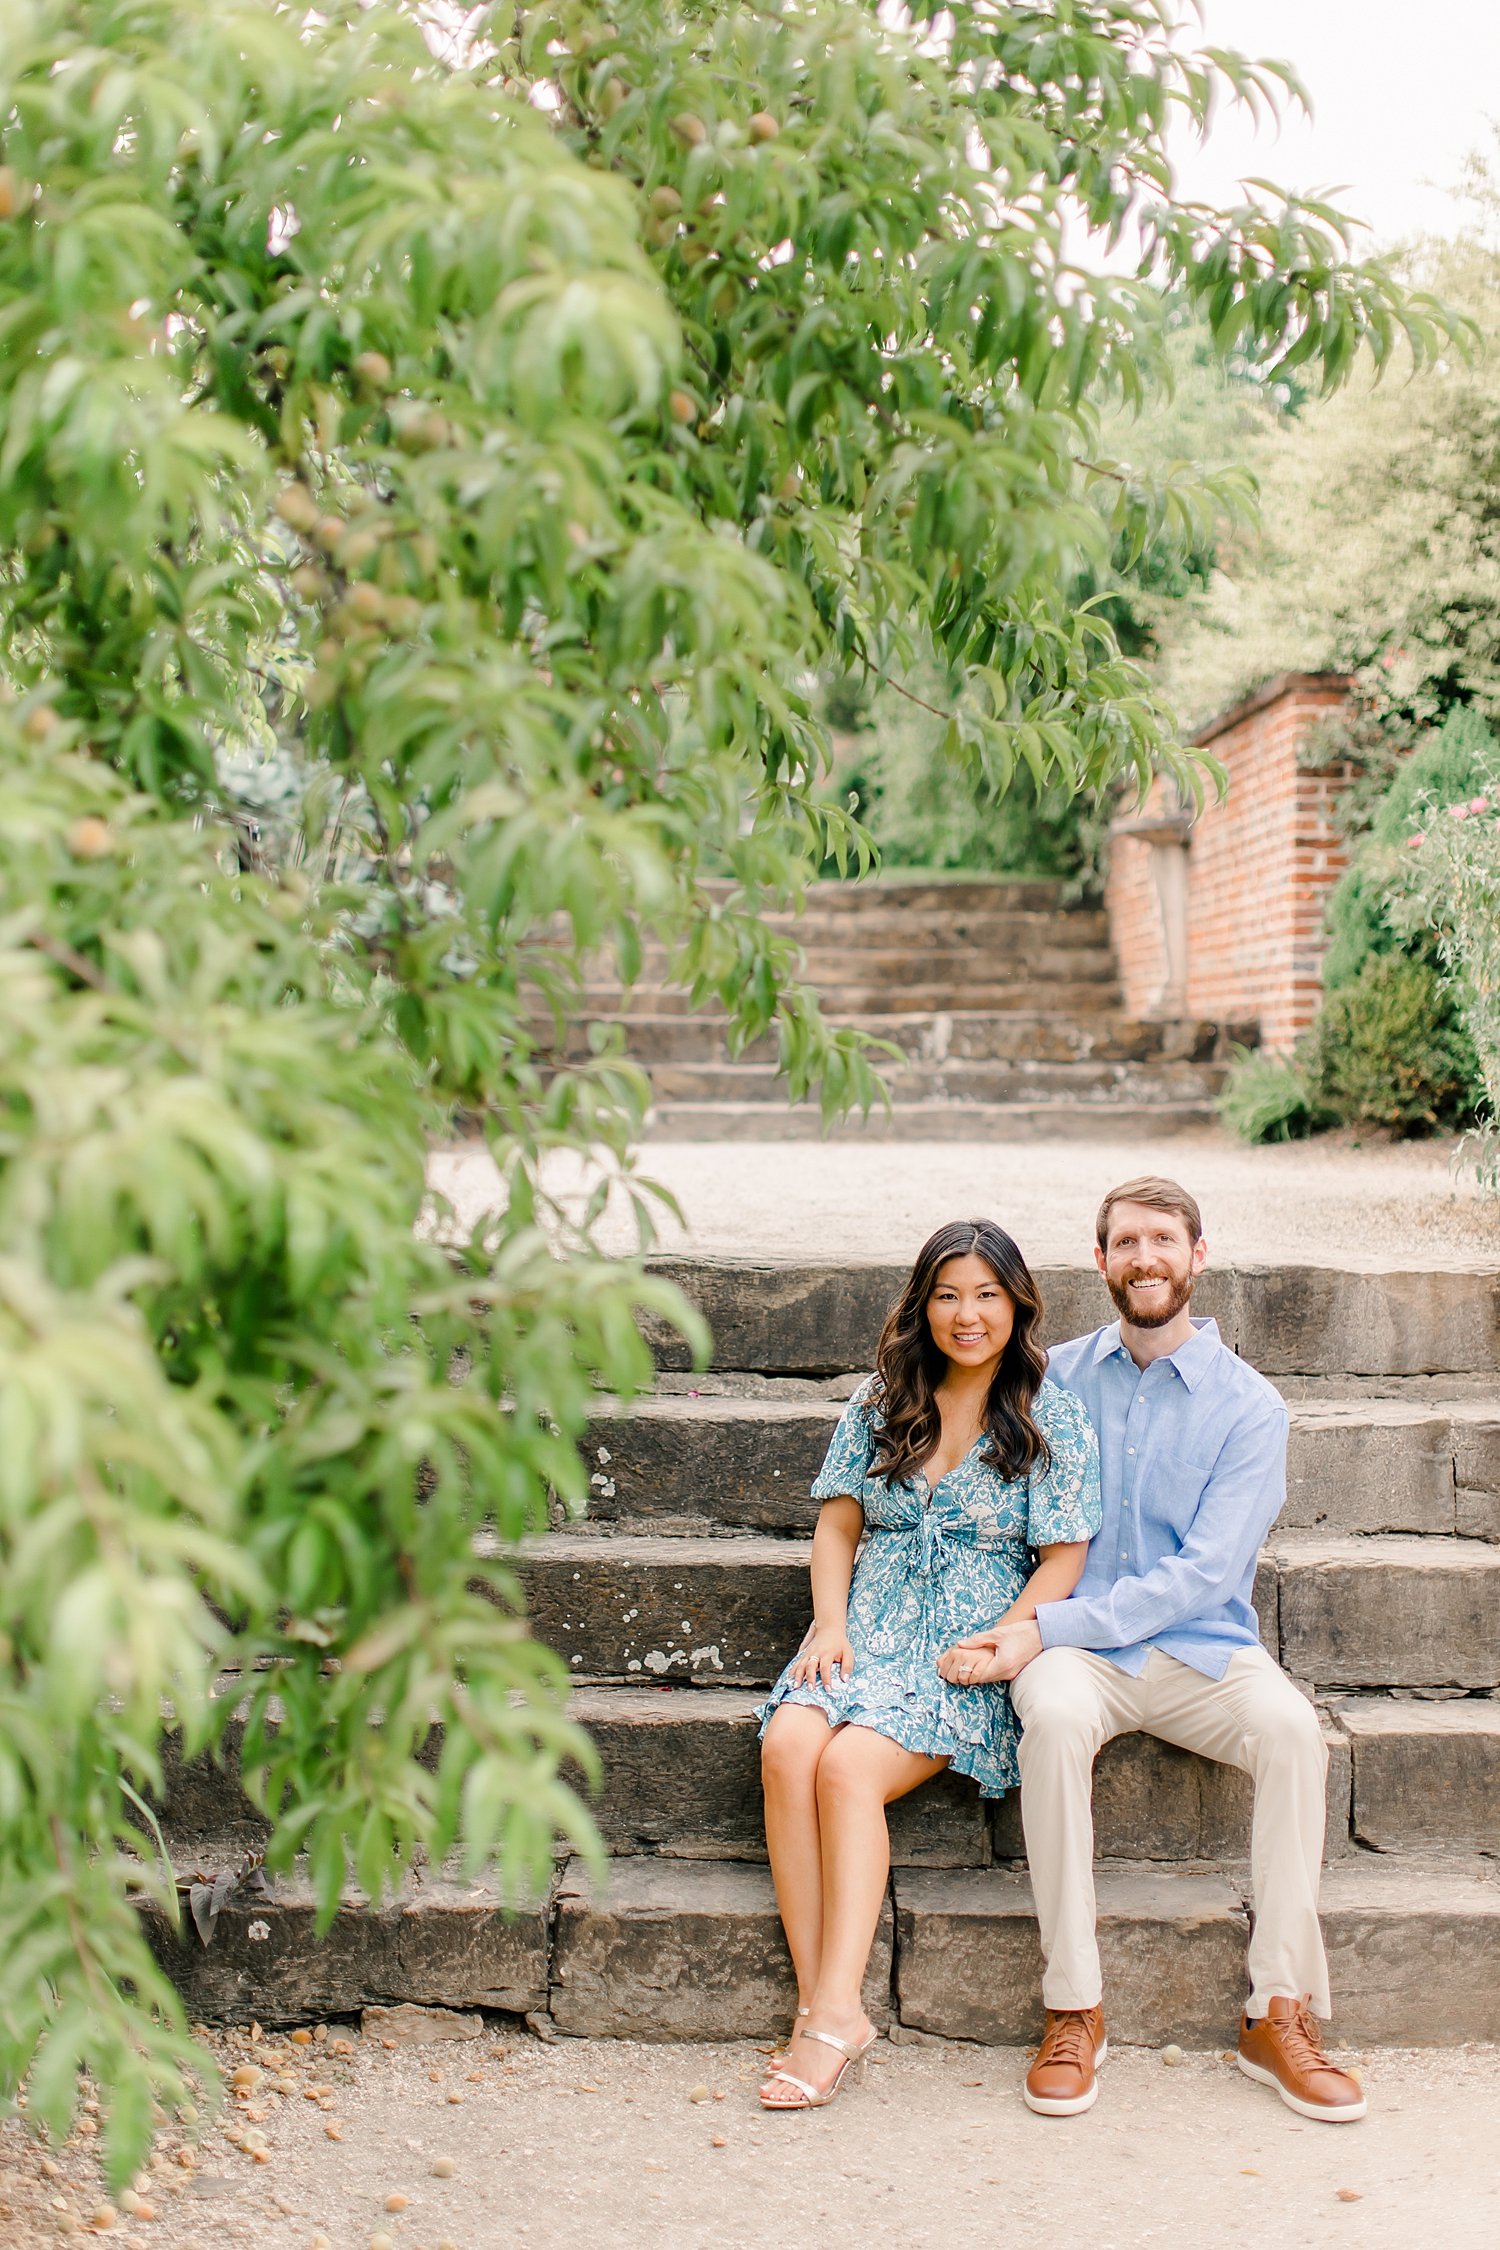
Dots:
(1157, 1195)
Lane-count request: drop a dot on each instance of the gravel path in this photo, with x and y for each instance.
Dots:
(1327, 1202)
(599, 2145)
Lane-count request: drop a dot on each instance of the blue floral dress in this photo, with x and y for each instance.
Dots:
(938, 1562)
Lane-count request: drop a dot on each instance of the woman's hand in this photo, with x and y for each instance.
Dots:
(965, 1665)
(824, 1652)
(999, 1654)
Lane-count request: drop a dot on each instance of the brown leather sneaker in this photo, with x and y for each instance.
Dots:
(1061, 2082)
(1284, 2049)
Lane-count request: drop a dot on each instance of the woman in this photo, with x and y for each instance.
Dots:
(962, 1463)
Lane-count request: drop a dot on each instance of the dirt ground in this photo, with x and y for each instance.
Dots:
(601, 2145)
(1333, 1201)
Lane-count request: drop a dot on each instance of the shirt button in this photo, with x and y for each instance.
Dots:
(1130, 1449)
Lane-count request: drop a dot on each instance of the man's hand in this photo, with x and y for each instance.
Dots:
(999, 1654)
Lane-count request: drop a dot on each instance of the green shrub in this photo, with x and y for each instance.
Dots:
(1390, 1050)
(1456, 762)
(1456, 883)
(1268, 1098)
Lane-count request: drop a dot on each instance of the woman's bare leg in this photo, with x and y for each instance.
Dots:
(858, 1775)
(793, 1746)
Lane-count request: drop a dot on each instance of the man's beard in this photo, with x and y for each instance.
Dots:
(1179, 1290)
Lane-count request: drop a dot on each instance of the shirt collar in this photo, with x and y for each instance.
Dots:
(1190, 1360)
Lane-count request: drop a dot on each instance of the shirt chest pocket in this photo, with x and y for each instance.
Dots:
(1179, 1486)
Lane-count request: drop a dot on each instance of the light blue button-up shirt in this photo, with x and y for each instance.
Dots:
(1192, 1455)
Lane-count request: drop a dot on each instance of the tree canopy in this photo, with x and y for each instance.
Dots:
(433, 472)
(1377, 551)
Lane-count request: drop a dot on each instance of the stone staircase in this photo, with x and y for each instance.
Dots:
(1003, 1002)
(681, 1596)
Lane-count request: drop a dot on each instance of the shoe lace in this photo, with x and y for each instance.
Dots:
(1069, 2040)
(1301, 2042)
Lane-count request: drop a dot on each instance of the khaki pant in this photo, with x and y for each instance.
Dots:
(1070, 1702)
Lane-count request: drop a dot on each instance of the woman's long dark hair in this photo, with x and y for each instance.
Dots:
(909, 1366)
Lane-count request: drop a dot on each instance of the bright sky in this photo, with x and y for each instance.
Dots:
(1402, 91)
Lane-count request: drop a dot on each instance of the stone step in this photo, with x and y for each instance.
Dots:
(1424, 1776)
(1098, 1085)
(986, 927)
(1354, 1466)
(1338, 1613)
(856, 996)
(1386, 1612)
(683, 1949)
(720, 1612)
(956, 1035)
(953, 967)
(925, 894)
(678, 1949)
(985, 1122)
(681, 1776)
(793, 1318)
(443, 1943)
(1413, 1954)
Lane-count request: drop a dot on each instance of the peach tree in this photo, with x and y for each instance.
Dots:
(439, 450)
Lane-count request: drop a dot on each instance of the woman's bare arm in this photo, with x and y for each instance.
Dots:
(835, 1545)
(1053, 1580)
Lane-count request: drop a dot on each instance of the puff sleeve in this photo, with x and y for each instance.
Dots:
(846, 1464)
(1062, 1499)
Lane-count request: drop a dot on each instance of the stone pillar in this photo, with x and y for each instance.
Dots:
(1168, 835)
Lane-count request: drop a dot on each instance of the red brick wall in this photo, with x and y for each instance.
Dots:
(1260, 867)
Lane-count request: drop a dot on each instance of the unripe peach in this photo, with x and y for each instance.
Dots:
(89, 838)
(367, 603)
(665, 201)
(762, 126)
(611, 95)
(356, 548)
(295, 505)
(373, 368)
(683, 407)
(690, 130)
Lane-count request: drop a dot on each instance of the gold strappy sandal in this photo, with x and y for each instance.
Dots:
(783, 2047)
(811, 2097)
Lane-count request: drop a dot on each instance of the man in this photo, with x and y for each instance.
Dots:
(1161, 1638)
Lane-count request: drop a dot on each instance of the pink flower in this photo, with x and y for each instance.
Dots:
(1412, 842)
(1458, 812)
(1479, 804)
